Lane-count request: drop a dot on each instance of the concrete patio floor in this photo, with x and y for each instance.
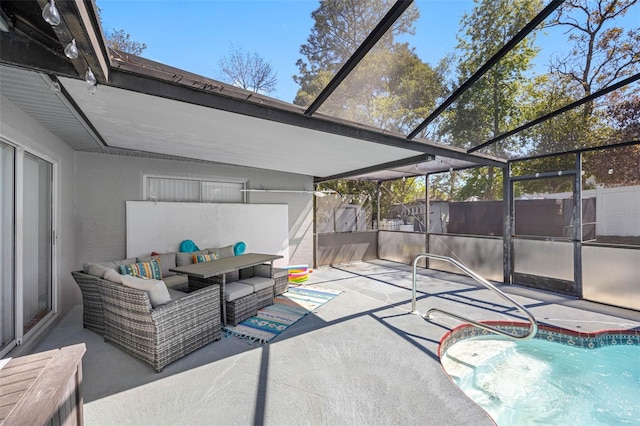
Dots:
(360, 359)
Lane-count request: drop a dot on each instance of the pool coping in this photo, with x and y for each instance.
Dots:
(581, 339)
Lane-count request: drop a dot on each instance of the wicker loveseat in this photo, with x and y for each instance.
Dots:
(157, 335)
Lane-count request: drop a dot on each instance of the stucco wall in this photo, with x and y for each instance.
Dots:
(104, 182)
(20, 129)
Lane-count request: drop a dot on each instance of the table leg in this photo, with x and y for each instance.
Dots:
(223, 300)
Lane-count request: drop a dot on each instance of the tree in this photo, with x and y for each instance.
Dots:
(119, 40)
(492, 105)
(248, 71)
(340, 26)
(601, 53)
(391, 88)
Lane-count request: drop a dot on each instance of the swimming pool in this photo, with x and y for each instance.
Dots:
(559, 377)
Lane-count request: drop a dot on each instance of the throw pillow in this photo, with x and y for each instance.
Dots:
(113, 276)
(97, 269)
(183, 259)
(143, 269)
(200, 258)
(167, 261)
(156, 289)
(226, 251)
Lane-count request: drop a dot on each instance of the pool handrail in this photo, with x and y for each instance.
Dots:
(533, 324)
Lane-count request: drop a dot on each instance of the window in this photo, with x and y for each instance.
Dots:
(193, 190)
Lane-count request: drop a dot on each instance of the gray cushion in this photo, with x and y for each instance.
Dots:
(176, 281)
(115, 265)
(113, 276)
(258, 283)
(235, 290)
(226, 251)
(184, 258)
(98, 270)
(175, 294)
(167, 260)
(156, 289)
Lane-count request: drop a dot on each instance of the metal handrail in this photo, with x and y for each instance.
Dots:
(533, 325)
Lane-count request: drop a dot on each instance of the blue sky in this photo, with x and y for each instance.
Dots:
(195, 35)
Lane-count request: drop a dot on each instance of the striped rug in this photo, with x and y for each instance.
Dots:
(286, 310)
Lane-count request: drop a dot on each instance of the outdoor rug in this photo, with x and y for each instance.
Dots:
(287, 308)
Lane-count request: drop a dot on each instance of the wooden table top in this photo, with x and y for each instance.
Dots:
(30, 386)
(224, 265)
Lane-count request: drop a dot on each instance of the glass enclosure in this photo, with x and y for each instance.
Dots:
(7, 237)
(37, 239)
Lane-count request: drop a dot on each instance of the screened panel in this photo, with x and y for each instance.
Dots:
(402, 205)
(544, 207)
(333, 39)
(336, 213)
(611, 179)
(466, 202)
(608, 120)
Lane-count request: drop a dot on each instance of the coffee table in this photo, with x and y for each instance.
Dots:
(214, 272)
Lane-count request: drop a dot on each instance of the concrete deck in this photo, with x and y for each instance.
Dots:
(360, 359)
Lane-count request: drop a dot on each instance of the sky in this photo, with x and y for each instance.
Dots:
(194, 35)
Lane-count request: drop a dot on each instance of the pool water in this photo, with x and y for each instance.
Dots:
(541, 382)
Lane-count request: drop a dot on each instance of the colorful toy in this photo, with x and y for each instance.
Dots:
(298, 273)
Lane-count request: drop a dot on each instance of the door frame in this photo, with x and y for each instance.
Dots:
(576, 238)
(19, 255)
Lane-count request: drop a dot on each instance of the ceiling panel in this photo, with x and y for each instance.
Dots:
(136, 121)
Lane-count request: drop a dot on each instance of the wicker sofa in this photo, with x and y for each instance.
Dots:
(158, 336)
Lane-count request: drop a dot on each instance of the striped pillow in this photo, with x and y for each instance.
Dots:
(200, 258)
(149, 269)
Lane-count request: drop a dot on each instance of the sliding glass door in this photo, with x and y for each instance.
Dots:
(7, 248)
(37, 238)
(26, 244)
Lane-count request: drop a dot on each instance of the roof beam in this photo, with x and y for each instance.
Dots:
(392, 164)
(557, 112)
(22, 52)
(378, 32)
(553, 5)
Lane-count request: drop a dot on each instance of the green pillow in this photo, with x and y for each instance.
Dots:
(149, 270)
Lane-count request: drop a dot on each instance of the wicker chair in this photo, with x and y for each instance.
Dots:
(163, 334)
(91, 302)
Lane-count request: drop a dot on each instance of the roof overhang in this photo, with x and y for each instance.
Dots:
(149, 107)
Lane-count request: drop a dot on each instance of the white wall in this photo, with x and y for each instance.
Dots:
(19, 128)
(105, 182)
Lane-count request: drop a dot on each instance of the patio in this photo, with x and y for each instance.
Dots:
(359, 359)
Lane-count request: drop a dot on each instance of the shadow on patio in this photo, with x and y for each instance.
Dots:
(361, 358)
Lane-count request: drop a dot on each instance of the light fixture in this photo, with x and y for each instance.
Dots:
(89, 77)
(71, 50)
(56, 87)
(92, 89)
(321, 193)
(50, 13)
